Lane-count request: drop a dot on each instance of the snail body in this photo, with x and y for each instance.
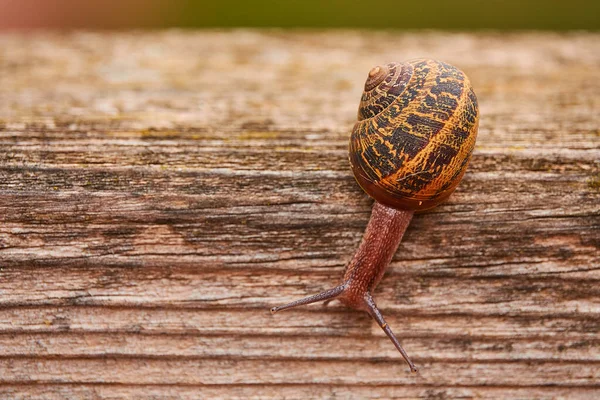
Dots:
(416, 131)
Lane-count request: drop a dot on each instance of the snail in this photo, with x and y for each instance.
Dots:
(416, 130)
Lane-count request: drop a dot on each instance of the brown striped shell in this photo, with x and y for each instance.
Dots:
(416, 130)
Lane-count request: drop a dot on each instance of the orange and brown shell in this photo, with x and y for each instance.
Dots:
(416, 130)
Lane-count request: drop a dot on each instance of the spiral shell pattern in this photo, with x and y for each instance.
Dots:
(416, 130)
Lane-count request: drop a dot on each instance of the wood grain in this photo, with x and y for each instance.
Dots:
(160, 191)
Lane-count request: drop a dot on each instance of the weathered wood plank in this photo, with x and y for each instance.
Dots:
(178, 392)
(318, 322)
(204, 288)
(160, 191)
(148, 370)
(187, 346)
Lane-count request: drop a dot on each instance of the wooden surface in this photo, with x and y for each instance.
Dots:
(160, 191)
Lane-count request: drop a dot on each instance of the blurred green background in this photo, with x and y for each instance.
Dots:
(378, 14)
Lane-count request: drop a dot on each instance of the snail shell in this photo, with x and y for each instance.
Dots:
(416, 130)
